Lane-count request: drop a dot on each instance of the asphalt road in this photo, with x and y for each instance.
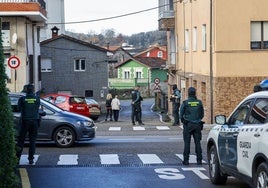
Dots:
(121, 155)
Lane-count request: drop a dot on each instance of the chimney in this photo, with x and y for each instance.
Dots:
(55, 31)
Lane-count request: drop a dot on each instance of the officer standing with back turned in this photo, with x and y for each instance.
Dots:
(29, 107)
(192, 113)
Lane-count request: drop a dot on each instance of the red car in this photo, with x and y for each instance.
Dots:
(69, 103)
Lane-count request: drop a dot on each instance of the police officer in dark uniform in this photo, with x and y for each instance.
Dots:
(192, 113)
(29, 107)
(175, 99)
(136, 105)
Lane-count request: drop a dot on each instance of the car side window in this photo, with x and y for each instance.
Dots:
(239, 116)
(48, 111)
(259, 112)
(60, 99)
(14, 104)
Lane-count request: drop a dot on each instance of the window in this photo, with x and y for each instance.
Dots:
(195, 39)
(80, 65)
(46, 65)
(239, 116)
(138, 74)
(186, 45)
(204, 37)
(126, 74)
(259, 35)
(160, 54)
(259, 112)
(148, 54)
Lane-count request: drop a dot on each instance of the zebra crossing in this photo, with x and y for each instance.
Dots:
(140, 128)
(109, 159)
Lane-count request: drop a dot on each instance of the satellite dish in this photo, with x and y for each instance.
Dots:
(14, 38)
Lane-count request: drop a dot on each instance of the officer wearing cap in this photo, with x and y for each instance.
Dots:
(29, 107)
(192, 113)
(175, 99)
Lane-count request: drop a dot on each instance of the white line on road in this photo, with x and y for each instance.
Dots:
(24, 159)
(138, 128)
(162, 127)
(109, 159)
(150, 159)
(192, 158)
(115, 129)
(68, 160)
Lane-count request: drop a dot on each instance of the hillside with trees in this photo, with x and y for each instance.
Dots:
(109, 37)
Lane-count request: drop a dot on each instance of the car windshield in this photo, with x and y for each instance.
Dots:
(77, 100)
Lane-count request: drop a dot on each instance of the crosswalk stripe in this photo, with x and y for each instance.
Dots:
(138, 128)
(115, 129)
(192, 158)
(162, 127)
(109, 159)
(68, 160)
(24, 159)
(150, 159)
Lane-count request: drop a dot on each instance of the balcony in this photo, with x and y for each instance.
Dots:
(35, 10)
(166, 15)
(118, 83)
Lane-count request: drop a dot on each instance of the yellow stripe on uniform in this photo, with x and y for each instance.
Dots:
(25, 182)
(193, 103)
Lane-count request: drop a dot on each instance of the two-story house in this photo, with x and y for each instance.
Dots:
(73, 66)
(154, 51)
(139, 71)
(219, 50)
(21, 21)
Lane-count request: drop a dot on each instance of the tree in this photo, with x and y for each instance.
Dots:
(8, 159)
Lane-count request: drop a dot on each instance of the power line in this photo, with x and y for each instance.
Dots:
(113, 17)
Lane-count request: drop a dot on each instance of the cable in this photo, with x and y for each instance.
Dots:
(113, 17)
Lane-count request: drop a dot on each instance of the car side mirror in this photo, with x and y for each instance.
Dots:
(42, 113)
(220, 119)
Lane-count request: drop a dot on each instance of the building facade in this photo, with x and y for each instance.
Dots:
(219, 51)
(21, 24)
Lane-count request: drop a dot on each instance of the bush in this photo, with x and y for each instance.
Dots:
(8, 159)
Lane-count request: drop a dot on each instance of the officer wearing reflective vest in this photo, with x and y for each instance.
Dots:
(192, 113)
(29, 107)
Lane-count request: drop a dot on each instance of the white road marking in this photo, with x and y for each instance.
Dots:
(24, 159)
(162, 128)
(150, 159)
(115, 129)
(109, 159)
(138, 128)
(68, 160)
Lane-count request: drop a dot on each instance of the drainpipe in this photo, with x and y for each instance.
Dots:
(211, 64)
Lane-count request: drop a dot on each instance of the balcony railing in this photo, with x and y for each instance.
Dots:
(127, 83)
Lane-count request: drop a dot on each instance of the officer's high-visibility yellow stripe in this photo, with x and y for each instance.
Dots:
(193, 103)
(25, 182)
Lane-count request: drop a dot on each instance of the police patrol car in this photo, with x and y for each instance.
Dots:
(238, 145)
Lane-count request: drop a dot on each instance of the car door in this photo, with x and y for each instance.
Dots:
(251, 135)
(227, 140)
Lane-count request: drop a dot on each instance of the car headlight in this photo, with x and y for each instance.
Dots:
(85, 123)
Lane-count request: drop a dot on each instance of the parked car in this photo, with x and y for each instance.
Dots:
(70, 103)
(238, 145)
(94, 108)
(63, 127)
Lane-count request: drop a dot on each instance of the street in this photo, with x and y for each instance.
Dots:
(122, 155)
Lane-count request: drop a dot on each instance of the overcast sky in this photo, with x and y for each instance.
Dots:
(88, 10)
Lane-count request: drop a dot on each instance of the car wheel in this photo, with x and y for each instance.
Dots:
(216, 176)
(64, 137)
(261, 177)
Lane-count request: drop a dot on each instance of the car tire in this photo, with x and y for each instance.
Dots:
(261, 176)
(64, 137)
(215, 174)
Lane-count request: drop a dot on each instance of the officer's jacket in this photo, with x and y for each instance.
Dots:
(136, 96)
(192, 110)
(177, 94)
(29, 107)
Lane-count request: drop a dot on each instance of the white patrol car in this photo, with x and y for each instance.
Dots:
(238, 145)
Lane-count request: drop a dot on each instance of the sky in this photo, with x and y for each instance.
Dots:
(88, 10)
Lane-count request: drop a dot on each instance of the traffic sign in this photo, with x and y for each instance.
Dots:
(13, 62)
(156, 80)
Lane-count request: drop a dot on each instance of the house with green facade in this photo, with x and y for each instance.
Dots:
(139, 71)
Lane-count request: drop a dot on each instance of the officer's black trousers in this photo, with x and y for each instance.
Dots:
(175, 112)
(30, 127)
(136, 113)
(189, 130)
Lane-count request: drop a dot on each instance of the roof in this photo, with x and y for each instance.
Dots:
(163, 48)
(62, 36)
(151, 62)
